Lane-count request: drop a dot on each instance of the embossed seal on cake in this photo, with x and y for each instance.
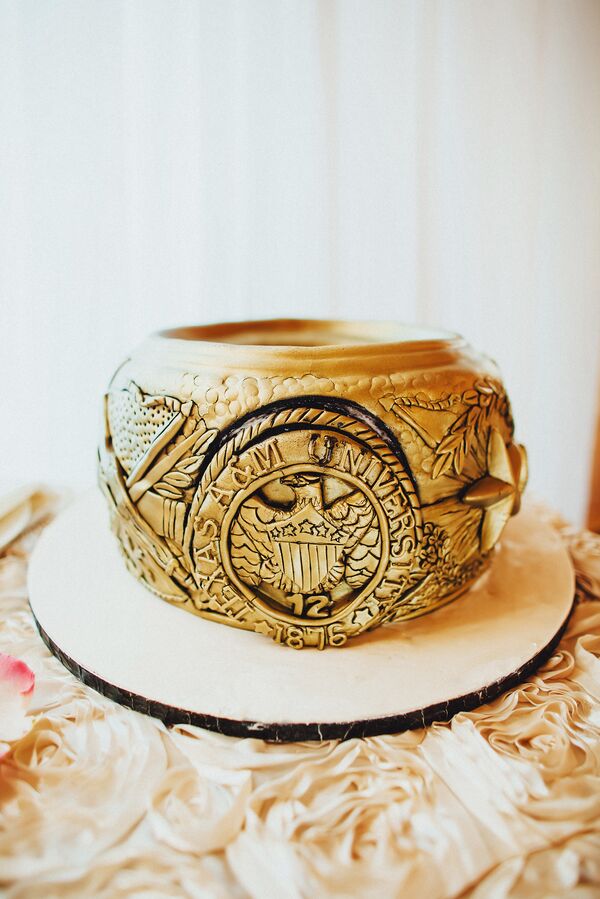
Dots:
(309, 517)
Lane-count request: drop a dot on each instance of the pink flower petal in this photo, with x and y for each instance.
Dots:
(16, 673)
(16, 685)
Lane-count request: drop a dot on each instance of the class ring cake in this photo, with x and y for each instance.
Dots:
(308, 480)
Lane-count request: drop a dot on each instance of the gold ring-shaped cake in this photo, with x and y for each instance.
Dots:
(308, 480)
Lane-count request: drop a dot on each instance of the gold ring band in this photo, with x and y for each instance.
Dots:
(308, 480)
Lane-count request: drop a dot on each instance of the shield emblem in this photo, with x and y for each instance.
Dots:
(306, 547)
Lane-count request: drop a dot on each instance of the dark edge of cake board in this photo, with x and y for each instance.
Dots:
(288, 732)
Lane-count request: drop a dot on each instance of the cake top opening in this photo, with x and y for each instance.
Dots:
(307, 333)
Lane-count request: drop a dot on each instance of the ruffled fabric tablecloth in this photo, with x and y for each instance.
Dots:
(97, 800)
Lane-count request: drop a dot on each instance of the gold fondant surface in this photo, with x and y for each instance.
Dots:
(308, 491)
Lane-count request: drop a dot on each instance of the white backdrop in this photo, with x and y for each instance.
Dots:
(172, 161)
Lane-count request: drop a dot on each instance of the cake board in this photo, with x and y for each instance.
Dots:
(126, 643)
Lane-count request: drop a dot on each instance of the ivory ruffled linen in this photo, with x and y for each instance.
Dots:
(97, 800)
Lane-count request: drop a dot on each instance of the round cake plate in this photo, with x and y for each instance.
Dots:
(120, 639)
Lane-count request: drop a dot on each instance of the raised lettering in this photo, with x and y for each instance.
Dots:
(221, 494)
(206, 530)
(351, 460)
(266, 457)
(385, 485)
(241, 477)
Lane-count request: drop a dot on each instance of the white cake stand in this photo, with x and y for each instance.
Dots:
(123, 641)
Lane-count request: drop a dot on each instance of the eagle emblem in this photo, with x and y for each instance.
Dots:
(310, 553)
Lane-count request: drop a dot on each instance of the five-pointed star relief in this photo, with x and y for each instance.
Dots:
(498, 492)
(362, 617)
